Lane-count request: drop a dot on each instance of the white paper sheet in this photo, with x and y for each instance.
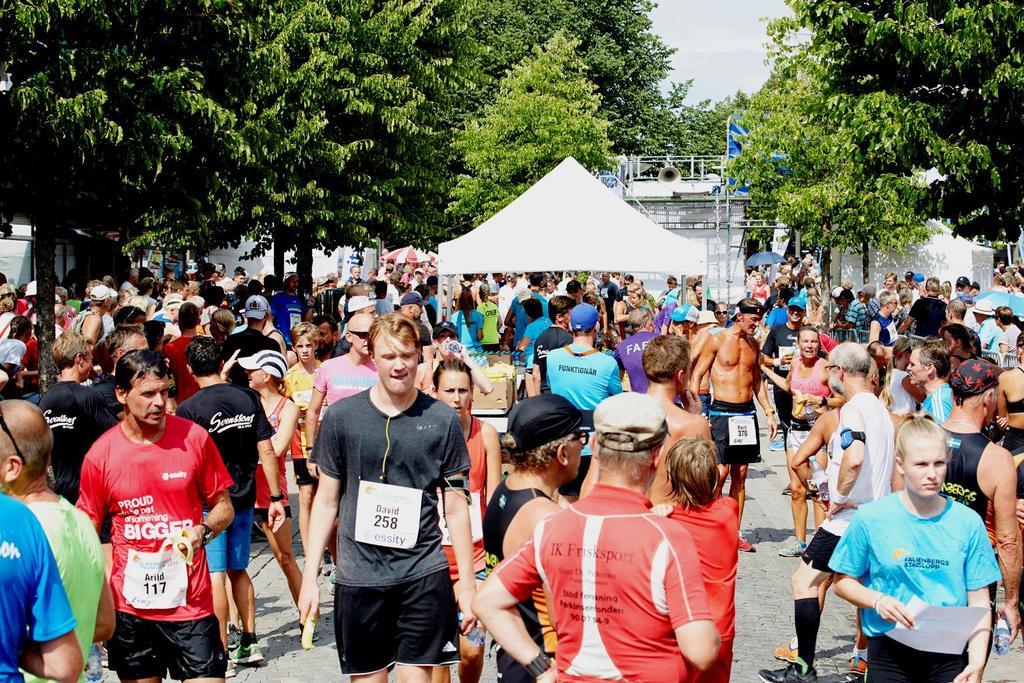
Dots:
(938, 629)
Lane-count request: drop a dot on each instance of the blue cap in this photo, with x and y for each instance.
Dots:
(919, 277)
(686, 313)
(583, 317)
(796, 302)
(412, 298)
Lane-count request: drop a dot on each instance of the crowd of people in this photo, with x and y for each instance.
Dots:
(595, 538)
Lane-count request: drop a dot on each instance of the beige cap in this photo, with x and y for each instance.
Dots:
(706, 317)
(630, 422)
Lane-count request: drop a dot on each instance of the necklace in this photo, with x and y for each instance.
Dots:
(974, 429)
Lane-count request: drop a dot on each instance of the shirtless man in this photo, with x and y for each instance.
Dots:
(732, 357)
(667, 366)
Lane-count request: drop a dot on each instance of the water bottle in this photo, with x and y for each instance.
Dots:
(820, 480)
(474, 637)
(94, 665)
(1001, 639)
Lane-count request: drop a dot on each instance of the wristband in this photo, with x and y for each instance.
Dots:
(878, 600)
(207, 532)
(539, 666)
(839, 498)
(277, 499)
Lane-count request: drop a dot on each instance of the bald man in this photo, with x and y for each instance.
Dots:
(71, 534)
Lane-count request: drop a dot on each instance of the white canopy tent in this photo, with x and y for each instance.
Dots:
(569, 220)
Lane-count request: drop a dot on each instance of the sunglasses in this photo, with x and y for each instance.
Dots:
(361, 334)
(7, 431)
(721, 312)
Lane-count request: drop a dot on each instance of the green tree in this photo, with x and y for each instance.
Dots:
(622, 56)
(801, 166)
(693, 129)
(546, 110)
(927, 84)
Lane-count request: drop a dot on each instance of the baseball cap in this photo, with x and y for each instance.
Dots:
(173, 301)
(101, 292)
(256, 307)
(630, 422)
(583, 317)
(445, 327)
(973, 377)
(845, 294)
(963, 282)
(357, 303)
(193, 267)
(909, 275)
(975, 285)
(540, 420)
(524, 295)
(836, 291)
(270, 361)
(432, 281)
(411, 298)
(686, 313)
(30, 289)
(707, 317)
(796, 302)
(919, 277)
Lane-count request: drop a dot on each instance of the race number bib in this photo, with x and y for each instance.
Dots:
(476, 521)
(155, 580)
(388, 515)
(742, 430)
(891, 329)
(294, 319)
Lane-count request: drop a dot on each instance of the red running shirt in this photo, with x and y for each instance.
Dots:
(183, 379)
(152, 491)
(477, 485)
(262, 487)
(715, 531)
(621, 580)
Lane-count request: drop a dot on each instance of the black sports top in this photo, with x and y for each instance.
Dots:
(965, 451)
(1018, 405)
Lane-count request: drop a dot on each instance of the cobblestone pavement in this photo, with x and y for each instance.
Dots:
(764, 608)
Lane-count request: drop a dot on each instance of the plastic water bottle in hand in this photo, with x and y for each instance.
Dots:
(474, 637)
(94, 665)
(820, 480)
(1001, 638)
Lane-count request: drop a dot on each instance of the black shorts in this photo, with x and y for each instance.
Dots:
(574, 486)
(819, 551)
(721, 413)
(143, 648)
(783, 408)
(893, 662)
(302, 477)
(414, 623)
(261, 515)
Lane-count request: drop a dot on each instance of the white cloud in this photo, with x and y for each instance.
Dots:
(721, 46)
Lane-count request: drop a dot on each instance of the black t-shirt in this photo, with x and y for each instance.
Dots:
(779, 336)
(610, 293)
(237, 422)
(105, 388)
(424, 445)
(547, 341)
(928, 312)
(77, 416)
(248, 342)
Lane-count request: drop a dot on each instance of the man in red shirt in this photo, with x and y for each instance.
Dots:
(153, 474)
(184, 382)
(630, 602)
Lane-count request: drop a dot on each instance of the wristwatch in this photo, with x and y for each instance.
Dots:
(277, 498)
(539, 666)
(207, 532)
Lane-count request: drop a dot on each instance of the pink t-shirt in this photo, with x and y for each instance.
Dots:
(338, 378)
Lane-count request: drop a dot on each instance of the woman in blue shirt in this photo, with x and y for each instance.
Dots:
(917, 543)
(469, 322)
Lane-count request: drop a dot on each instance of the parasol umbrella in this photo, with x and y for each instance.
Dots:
(1012, 301)
(765, 258)
(403, 255)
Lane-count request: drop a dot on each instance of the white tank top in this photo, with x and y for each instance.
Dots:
(875, 478)
(902, 402)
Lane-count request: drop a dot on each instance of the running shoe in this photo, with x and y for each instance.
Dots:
(234, 637)
(746, 547)
(858, 669)
(795, 672)
(794, 549)
(231, 671)
(330, 582)
(778, 444)
(246, 654)
(787, 652)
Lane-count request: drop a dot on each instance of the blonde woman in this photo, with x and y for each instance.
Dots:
(8, 303)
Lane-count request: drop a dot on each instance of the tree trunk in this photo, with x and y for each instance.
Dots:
(278, 251)
(45, 252)
(864, 262)
(304, 266)
(826, 269)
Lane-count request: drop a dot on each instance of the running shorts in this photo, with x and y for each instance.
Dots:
(302, 476)
(892, 662)
(797, 433)
(819, 551)
(741, 444)
(573, 487)
(262, 515)
(1013, 440)
(142, 648)
(230, 548)
(414, 623)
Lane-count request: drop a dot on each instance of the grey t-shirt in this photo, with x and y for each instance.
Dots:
(426, 446)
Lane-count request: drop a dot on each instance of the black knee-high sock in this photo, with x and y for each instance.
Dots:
(807, 616)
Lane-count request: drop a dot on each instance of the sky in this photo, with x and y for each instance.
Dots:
(720, 45)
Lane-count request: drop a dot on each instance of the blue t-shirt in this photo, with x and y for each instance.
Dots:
(584, 377)
(778, 316)
(887, 334)
(521, 320)
(33, 604)
(468, 332)
(900, 554)
(990, 334)
(287, 310)
(939, 404)
(531, 332)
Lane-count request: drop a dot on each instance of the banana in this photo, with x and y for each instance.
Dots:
(183, 547)
(307, 631)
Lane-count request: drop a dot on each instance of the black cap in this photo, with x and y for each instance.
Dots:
(432, 281)
(539, 420)
(845, 294)
(975, 285)
(963, 282)
(445, 327)
(126, 313)
(909, 275)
